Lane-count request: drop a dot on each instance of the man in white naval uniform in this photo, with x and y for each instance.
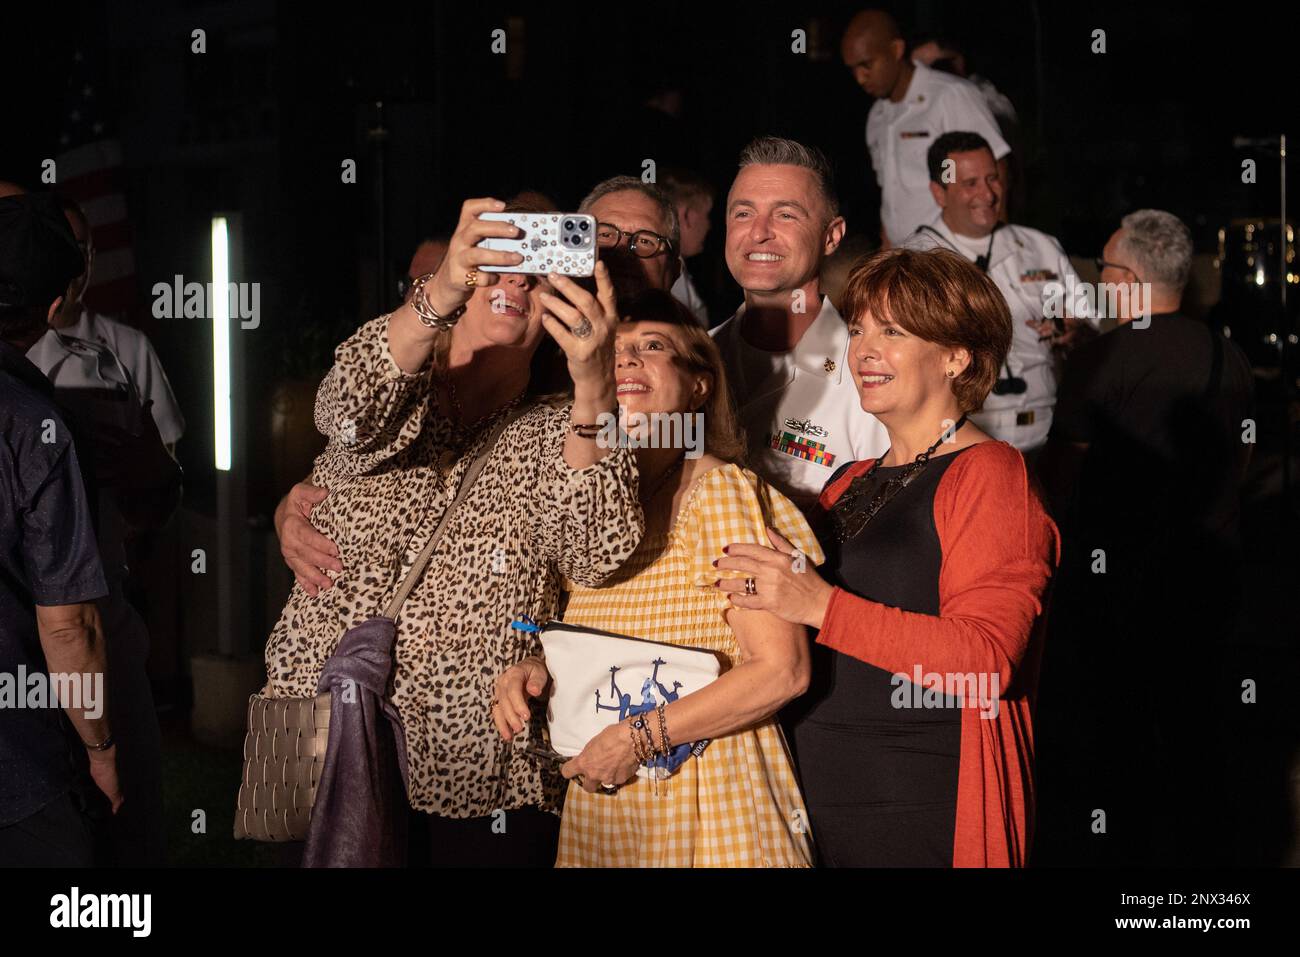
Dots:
(786, 348)
(1025, 264)
(914, 105)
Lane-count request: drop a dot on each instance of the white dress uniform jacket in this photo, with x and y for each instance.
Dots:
(1022, 262)
(805, 420)
(899, 134)
(137, 354)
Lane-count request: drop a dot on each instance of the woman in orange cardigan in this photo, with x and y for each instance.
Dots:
(915, 742)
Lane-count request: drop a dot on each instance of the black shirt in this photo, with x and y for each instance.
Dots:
(1161, 409)
(48, 556)
(879, 779)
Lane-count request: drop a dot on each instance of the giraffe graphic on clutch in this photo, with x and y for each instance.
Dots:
(660, 765)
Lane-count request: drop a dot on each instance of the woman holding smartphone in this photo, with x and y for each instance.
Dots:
(736, 804)
(406, 408)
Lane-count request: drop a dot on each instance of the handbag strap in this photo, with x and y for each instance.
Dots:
(466, 483)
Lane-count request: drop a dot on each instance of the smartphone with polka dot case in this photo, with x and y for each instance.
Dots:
(563, 243)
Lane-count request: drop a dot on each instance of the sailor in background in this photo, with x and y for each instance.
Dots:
(914, 105)
(1026, 265)
(129, 346)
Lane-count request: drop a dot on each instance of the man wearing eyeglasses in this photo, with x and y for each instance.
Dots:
(1149, 446)
(1027, 266)
(637, 230)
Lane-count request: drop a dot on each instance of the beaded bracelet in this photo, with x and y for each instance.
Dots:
(591, 431)
(638, 749)
(642, 725)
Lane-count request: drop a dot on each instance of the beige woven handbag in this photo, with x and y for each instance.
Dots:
(284, 749)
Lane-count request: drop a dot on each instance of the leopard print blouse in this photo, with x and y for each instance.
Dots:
(392, 464)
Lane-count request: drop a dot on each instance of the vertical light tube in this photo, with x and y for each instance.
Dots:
(221, 343)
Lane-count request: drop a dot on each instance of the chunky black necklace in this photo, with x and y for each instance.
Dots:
(851, 513)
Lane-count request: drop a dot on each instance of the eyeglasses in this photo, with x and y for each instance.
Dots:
(642, 243)
(1102, 264)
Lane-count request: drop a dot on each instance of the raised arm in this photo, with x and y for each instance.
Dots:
(373, 401)
(588, 517)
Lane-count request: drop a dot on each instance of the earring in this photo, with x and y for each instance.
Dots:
(951, 373)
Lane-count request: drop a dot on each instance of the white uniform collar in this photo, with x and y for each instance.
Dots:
(1003, 240)
(84, 327)
(919, 88)
(822, 348)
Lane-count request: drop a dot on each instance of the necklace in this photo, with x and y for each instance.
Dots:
(851, 516)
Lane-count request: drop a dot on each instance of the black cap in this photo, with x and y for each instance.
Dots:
(39, 256)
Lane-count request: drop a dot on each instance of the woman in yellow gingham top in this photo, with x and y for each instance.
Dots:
(737, 804)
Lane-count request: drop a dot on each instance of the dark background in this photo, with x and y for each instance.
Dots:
(262, 121)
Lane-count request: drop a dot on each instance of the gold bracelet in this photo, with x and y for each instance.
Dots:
(426, 314)
(663, 727)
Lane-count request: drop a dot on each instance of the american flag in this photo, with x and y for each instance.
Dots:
(89, 166)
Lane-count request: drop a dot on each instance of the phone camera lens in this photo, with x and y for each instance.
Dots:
(568, 225)
(584, 225)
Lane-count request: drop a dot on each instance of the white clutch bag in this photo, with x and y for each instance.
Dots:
(599, 678)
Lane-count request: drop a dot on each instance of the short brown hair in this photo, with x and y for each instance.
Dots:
(722, 434)
(941, 297)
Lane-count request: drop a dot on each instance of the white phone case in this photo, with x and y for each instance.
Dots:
(563, 243)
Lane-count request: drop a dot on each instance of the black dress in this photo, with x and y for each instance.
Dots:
(880, 781)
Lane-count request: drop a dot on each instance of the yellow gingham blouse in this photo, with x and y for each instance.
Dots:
(738, 803)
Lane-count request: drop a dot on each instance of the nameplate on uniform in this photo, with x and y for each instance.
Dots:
(1025, 418)
(914, 134)
(801, 448)
(1039, 275)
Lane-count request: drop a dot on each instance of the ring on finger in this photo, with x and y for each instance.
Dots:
(579, 779)
(609, 788)
(583, 329)
(471, 278)
(751, 587)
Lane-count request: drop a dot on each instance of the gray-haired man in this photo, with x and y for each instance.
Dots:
(786, 348)
(1149, 442)
(638, 220)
